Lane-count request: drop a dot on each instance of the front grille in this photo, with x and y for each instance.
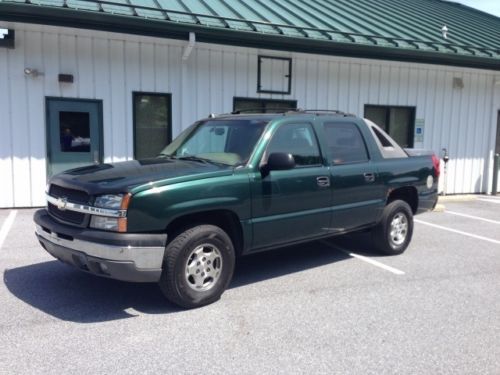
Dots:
(66, 215)
(72, 195)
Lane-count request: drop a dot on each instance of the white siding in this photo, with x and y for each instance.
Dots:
(110, 67)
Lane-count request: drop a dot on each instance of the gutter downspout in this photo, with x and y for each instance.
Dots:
(189, 46)
(494, 108)
(186, 106)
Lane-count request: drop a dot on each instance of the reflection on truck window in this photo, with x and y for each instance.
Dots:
(298, 140)
(74, 130)
(345, 143)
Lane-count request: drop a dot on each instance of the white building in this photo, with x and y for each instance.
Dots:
(84, 81)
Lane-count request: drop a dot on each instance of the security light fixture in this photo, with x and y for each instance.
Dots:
(458, 83)
(33, 73)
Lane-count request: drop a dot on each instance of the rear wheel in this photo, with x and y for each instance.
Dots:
(198, 266)
(394, 232)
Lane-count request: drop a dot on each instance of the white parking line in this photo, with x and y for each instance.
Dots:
(472, 217)
(365, 259)
(489, 200)
(6, 226)
(458, 231)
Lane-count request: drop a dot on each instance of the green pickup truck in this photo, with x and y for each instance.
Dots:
(231, 185)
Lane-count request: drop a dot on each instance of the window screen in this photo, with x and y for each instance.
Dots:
(345, 143)
(152, 129)
(298, 140)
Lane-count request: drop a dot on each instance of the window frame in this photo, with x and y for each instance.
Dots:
(259, 71)
(265, 155)
(135, 94)
(411, 127)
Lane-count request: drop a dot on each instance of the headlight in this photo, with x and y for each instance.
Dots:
(111, 201)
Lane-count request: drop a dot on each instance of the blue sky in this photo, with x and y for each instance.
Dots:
(489, 6)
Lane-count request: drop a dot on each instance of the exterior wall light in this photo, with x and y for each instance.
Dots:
(458, 83)
(33, 73)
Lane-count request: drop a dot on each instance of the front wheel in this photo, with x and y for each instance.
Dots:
(393, 233)
(198, 266)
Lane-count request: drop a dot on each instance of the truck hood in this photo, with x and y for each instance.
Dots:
(124, 176)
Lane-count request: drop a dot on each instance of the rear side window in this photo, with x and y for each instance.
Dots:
(383, 140)
(345, 143)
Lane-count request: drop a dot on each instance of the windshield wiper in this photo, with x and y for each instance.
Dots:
(169, 156)
(196, 158)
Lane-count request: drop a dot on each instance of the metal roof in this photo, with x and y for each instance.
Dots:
(405, 30)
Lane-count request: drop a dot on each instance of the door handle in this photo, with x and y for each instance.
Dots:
(323, 181)
(369, 177)
(96, 157)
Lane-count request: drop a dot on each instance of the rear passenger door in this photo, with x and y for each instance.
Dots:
(357, 189)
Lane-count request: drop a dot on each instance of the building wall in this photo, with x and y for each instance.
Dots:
(111, 66)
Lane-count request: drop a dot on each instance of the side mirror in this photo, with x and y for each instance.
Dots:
(278, 161)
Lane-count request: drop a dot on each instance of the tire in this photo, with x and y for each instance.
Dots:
(393, 233)
(197, 267)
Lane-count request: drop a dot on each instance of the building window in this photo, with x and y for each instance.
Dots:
(398, 122)
(74, 128)
(152, 123)
(251, 105)
(6, 38)
(274, 75)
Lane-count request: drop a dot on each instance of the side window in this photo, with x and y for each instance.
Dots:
(298, 140)
(345, 143)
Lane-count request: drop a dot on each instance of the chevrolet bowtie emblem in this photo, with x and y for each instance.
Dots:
(61, 203)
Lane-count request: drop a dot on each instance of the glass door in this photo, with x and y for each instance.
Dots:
(74, 133)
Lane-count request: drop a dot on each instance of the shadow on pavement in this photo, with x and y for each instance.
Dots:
(71, 295)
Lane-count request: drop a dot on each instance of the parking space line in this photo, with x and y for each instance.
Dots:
(473, 217)
(458, 231)
(489, 200)
(365, 259)
(6, 226)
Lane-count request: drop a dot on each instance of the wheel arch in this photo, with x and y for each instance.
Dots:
(407, 194)
(227, 220)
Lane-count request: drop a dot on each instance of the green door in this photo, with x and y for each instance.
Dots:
(358, 191)
(74, 133)
(291, 205)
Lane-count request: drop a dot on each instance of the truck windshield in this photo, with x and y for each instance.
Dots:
(221, 141)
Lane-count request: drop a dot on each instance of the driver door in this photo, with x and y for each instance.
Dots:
(291, 205)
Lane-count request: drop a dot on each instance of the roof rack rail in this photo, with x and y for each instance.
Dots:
(327, 111)
(265, 110)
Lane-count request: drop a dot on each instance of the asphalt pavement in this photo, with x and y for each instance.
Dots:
(332, 307)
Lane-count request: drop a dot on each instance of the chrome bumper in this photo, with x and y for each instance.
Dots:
(142, 257)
